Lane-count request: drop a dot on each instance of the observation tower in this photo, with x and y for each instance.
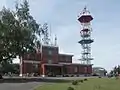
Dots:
(85, 19)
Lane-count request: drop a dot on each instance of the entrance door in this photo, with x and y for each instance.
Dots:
(53, 70)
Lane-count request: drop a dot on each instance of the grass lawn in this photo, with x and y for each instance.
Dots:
(91, 84)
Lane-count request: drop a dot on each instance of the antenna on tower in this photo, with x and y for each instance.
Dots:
(84, 11)
(85, 7)
(55, 40)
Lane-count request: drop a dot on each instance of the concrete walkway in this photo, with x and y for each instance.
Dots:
(19, 86)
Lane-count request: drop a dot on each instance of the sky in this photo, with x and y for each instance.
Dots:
(61, 16)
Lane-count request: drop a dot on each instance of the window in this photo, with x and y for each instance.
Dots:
(50, 52)
(76, 69)
(35, 68)
(85, 68)
(49, 61)
(67, 59)
(35, 65)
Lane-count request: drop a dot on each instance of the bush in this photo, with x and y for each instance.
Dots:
(75, 82)
(70, 88)
(99, 77)
(81, 81)
(85, 79)
(117, 77)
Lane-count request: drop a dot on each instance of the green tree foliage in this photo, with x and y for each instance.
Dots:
(6, 29)
(111, 72)
(6, 67)
(19, 32)
(70, 88)
(75, 82)
(115, 71)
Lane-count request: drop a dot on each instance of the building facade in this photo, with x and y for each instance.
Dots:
(50, 62)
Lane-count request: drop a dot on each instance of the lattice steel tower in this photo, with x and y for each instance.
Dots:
(85, 18)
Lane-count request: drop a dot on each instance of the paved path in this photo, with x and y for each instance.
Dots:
(19, 86)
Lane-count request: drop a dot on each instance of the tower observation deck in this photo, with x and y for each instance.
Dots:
(85, 18)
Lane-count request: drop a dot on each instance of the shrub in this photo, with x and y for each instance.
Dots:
(85, 79)
(75, 82)
(99, 77)
(117, 77)
(70, 88)
(81, 81)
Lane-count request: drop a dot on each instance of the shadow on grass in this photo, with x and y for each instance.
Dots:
(25, 80)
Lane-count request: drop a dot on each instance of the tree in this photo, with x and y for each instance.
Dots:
(6, 67)
(115, 71)
(19, 32)
(7, 31)
(118, 69)
(111, 72)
